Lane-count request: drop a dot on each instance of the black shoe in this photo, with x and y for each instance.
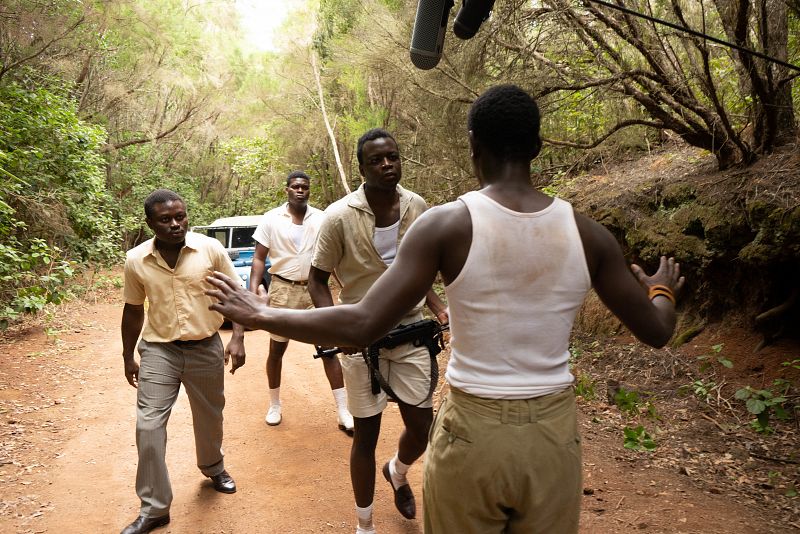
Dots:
(403, 497)
(223, 483)
(143, 524)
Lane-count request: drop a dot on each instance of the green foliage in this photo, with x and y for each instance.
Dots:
(706, 362)
(627, 401)
(701, 388)
(30, 279)
(764, 403)
(335, 19)
(638, 439)
(585, 386)
(54, 209)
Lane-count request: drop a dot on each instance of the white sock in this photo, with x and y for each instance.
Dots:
(275, 396)
(364, 516)
(340, 396)
(398, 470)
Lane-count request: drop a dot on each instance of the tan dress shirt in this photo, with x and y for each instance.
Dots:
(345, 242)
(177, 305)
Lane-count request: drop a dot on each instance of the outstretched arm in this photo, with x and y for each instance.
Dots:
(397, 290)
(625, 290)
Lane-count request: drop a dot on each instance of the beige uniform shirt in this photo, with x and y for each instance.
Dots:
(345, 241)
(178, 307)
(273, 232)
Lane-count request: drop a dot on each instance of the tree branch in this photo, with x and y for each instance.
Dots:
(116, 146)
(42, 50)
(616, 128)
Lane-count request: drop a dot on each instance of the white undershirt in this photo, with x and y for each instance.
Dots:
(386, 242)
(296, 233)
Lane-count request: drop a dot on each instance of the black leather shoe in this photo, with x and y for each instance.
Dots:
(403, 497)
(223, 483)
(143, 524)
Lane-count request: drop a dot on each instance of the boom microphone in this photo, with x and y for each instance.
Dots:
(470, 17)
(430, 25)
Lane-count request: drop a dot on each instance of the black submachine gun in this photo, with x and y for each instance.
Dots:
(426, 332)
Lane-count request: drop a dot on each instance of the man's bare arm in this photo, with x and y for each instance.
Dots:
(397, 290)
(259, 267)
(651, 321)
(318, 288)
(131, 327)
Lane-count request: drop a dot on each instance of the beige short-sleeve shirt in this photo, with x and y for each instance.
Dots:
(177, 304)
(345, 241)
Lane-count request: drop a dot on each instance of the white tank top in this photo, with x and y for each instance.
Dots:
(513, 303)
(385, 239)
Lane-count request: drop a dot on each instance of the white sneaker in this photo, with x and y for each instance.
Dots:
(274, 415)
(360, 530)
(345, 421)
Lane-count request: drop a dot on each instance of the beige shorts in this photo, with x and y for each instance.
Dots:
(488, 457)
(287, 295)
(406, 368)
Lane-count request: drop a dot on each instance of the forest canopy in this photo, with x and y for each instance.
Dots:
(103, 101)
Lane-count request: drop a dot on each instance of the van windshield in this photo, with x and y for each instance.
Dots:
(242, 238)
(220, 234)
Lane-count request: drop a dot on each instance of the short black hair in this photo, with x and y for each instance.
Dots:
(159, 196)
(371, 135)
(297, 174)
(505, 119)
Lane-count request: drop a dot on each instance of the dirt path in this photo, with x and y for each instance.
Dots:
(67, 459)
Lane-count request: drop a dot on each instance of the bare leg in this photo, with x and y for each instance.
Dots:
(275, 362)
(414, 438)
(332, 370)
(362, 458)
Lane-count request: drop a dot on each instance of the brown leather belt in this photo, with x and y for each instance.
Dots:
(293, 282)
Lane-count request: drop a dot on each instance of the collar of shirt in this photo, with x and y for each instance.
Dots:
(309, 211)
(358, 200)
(190, 242)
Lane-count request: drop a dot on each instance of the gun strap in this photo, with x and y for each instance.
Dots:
(371, 354)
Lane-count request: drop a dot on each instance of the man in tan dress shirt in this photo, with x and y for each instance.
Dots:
(179, 345)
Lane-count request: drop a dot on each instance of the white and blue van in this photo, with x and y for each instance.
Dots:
(236, 235)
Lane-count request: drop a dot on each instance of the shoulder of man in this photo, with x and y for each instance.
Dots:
(314, 211)
(413, 197)
(141, 250)
(200, 241)
(339, 207)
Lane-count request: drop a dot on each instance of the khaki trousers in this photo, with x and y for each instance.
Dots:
(503, 466)
(199, 366)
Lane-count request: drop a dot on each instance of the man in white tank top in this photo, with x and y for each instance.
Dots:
(286, 235)
(504, 452)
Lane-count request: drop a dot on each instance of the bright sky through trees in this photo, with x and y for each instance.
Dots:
(261, 21)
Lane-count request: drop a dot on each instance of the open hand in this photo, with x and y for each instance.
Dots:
(668, 274)
(235, 303)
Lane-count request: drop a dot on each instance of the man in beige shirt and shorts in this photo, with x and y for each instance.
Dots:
(286, 235)
(358, 241)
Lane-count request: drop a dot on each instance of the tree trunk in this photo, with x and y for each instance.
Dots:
(342, 174)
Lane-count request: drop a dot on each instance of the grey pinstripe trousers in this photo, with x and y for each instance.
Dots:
(199, 366)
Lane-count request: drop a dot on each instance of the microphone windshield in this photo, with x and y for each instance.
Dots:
(470, 17)
(430, 26)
